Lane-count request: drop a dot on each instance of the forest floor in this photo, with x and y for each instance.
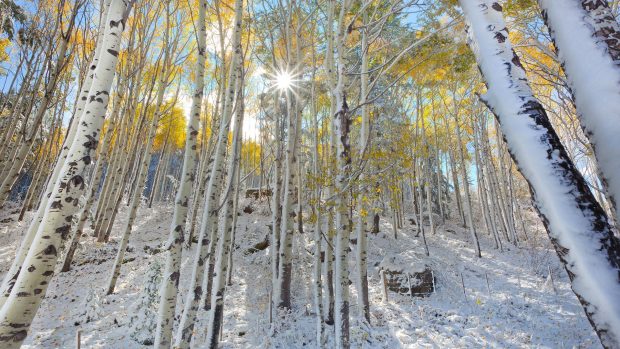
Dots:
(518, 308)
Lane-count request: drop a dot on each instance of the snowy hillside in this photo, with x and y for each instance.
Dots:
(507, 300)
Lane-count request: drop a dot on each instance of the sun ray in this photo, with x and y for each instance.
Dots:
(284, 80)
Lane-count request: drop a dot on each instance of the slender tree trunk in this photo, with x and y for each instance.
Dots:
(174, 246)
(229, 274)
(210, 210)
(329, 251)
(145, 160)
(361, 256)
(468, 207)
(77, 231)
(288, 211)
(216, 316)
(159, 170)
(318, 233)
(482, 189)
(455, 181)
(341, 128)
(276, 210)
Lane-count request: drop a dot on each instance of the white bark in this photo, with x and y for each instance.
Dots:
(142, 170)
(174, 246)
(341, 125)
(468, 208)
(575, 222)
(318, 234)
(363, 196)
(30, 287)
(216, 315)
(186, 323)
(588, 50)
(14, 270)
(283, 291)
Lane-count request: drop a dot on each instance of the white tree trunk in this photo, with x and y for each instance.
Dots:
(30, 287)
(363, 196)
(468, 209)
(318, 234)
(586, 36)
(174, 245)
(14, 270)
(143, 164)
(576, 223)
(285, 266)
(341, 128)
(210, 210)
(216, 315)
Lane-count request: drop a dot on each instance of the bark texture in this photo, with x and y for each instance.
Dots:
(575, 222)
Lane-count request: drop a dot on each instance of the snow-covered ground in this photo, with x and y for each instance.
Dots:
(518, 308)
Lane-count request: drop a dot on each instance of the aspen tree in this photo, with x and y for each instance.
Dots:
(318, 232)
(575, 222)
(329, 250)
(15, 269)
(283, 290)
(341, 128)
(216, 315)
(578, 26)
(210, 209)
(143, 163)
(21, 306)
(363, 209)
(463, 170)
(170, 280)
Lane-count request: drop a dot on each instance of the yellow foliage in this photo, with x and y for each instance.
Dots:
(4, 46)
(172, 129)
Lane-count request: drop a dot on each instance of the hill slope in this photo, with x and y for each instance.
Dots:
(518, 308)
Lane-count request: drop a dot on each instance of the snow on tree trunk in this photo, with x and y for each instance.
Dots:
(575, 222)
(342, 125)
(587, 38)
(174, 245)
(605, 25)
(329, 251)
(276, 216)
(30, 287)
(339, 147)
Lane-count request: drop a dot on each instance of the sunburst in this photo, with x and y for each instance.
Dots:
(283, 81)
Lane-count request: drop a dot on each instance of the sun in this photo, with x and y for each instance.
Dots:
(284, 80)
